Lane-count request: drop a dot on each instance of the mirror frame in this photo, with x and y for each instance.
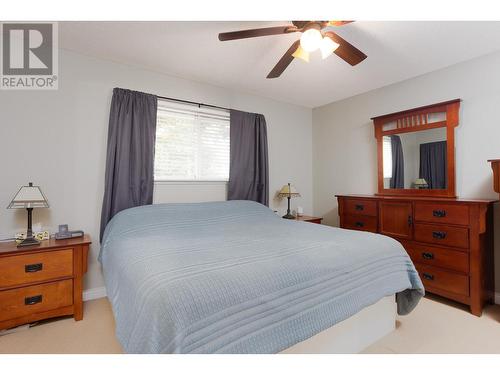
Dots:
(416, 119)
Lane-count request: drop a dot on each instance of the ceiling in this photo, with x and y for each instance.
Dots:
(396, 51)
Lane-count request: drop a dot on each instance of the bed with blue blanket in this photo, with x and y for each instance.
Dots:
(233, 277)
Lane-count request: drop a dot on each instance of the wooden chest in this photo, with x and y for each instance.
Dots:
(450, 241)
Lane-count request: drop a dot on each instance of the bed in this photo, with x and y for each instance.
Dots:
(233, 277)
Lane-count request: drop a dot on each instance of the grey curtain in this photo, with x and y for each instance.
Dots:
(433, 164)
(130, 153)
(249, 170)
(398, 165)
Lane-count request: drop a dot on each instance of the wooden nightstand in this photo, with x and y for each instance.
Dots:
(310, 219)
(41, 282)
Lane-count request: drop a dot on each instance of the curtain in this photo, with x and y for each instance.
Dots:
(249, 169)
(129, 176)
(398, 165)
(433, 164)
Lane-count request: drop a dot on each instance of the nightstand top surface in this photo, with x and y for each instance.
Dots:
(307, 218)
(10, 247)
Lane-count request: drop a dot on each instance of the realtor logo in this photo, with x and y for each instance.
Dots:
(29, 56)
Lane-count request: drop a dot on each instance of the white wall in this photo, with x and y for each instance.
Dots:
(344, 147)
(57, 139)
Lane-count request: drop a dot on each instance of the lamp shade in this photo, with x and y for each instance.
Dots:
(420, 181)
(29, 197)
(288, 191)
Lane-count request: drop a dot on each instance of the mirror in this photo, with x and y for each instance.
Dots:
(416, 151)
(415, 160)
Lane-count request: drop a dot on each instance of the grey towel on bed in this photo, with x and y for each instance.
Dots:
(233, 277)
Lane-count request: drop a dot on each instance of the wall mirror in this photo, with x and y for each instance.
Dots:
(416, 150)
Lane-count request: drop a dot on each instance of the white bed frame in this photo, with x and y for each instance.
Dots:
(353, 334)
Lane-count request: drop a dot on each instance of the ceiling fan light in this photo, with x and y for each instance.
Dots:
(310, 39)
(300, 53)
(327, 47)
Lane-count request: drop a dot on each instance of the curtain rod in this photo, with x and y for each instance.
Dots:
(189, 102)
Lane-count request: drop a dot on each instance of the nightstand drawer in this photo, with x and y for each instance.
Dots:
(16, 303)
(37, 267)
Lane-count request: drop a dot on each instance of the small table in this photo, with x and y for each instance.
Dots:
(309, 219)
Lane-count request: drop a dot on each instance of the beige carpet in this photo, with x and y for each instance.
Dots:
(435, 326)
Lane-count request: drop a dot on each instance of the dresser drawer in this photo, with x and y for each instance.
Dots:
(442, 213)
(360, 222)
(438, 256)
(19, 302)
(37, 267)
(360, 207)
(435, 279)
(442, 235)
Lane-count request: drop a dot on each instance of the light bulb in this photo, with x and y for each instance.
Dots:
(327, 47)
(310, 40)
(301, 54)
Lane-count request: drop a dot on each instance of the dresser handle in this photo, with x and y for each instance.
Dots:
(428, 256)
(33, 267)
(359, 224)
(33, 300)
(359, 207)
(428, 276)
(439, 235)
(410, 220)
(439, 213)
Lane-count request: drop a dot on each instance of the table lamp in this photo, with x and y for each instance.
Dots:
(29, 197)
(288, 191)
(420, 183)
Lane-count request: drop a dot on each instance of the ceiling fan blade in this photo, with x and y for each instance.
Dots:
(284, 61)
(252, 33)
(346, 51)
(338, 23)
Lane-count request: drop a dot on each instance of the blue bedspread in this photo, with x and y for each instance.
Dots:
(233, 277)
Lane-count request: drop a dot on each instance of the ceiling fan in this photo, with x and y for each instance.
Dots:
(313, 37)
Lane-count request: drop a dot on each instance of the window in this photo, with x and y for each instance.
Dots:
(387, 156)
(192, 143)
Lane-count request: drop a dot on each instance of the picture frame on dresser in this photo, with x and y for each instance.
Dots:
(450, 240)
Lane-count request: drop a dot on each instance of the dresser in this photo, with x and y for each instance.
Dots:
(43, 281)
(450, 241)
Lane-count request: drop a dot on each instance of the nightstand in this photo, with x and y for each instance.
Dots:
(310, 219)
(42, 281)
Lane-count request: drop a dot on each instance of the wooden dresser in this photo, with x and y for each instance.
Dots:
(41, 282)
(449, 240)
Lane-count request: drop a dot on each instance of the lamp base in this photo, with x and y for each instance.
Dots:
(28, 242)
(288, 216)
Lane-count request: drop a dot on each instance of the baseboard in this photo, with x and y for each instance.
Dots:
(94, 293)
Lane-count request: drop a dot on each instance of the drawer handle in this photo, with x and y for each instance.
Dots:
(439, 213)
(33, 300)
(359, 207)
(439, 235)
(359, 224)
(33, 267)
(428, 276)
(428, 256)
